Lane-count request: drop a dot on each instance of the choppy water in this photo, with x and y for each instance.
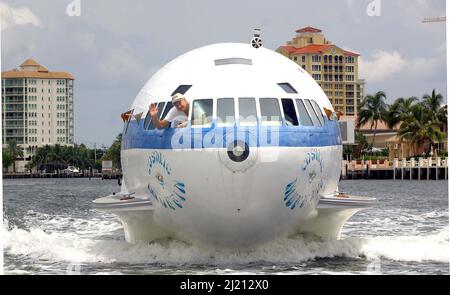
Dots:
(50, 228)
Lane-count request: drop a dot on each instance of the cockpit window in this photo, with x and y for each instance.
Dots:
(202, 112)
(290, 115)
(312, 113)
(225, 111)
(287, 87)
(305, 119)
(318, 112)
(270, 112)
(168, 107)
(181, 89)
(148, 123)
(247, 111)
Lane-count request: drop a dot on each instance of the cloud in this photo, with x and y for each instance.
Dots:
(119, 64)
(385, 65)
(11, 16)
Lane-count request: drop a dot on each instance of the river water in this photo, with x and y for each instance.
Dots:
(51, 228)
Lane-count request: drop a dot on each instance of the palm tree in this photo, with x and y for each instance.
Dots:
(433, 103)
(373, 109)
(15, 151)
(420, 128)
(442, 117)
(7, 159)
(437, 112)
(400, 110)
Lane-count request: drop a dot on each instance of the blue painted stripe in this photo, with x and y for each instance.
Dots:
(187, 138)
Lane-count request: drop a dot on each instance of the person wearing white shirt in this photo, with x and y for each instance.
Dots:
(177, 117)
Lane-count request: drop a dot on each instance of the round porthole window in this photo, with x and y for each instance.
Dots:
(238, 151)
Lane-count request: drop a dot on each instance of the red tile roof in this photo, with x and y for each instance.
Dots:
(314, 48)
(308, 30)
(42, 72)
(29, 62)
(41, 75)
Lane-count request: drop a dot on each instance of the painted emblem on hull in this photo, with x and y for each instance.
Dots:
(163, 188)
(305, 189)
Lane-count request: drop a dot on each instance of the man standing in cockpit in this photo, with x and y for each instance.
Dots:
(177, 116)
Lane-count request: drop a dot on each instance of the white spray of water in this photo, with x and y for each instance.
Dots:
(84, 241)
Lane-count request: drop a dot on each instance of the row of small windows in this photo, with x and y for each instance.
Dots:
(60, 98)
(316, 58)
(32, 89)
(13, 82)
(60, 90)
(60, 107)
(339, 101)
(58, 82)
(348, 96)
(60, 123)
(339, 78)
(34, 139)
(328, 86)
(32, 131)
(329, 58)
(273, 112)
(330, 68)
(295, 58)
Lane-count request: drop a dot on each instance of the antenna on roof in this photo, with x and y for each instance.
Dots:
(256, 41)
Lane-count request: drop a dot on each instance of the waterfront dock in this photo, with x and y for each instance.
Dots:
(83, 174)
(412, 169)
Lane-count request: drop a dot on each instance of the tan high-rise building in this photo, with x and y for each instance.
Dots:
(334, 69)
(37, 107)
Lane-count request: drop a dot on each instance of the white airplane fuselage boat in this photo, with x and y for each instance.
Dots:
(259, 159)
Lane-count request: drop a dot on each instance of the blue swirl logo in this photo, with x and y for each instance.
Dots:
(163, 188)
(307, 186)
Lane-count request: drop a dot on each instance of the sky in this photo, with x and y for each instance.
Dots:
(113, 47)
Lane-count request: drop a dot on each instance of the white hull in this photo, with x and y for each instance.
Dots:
(226, 209)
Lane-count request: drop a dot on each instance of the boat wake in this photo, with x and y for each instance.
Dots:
(48, 238)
